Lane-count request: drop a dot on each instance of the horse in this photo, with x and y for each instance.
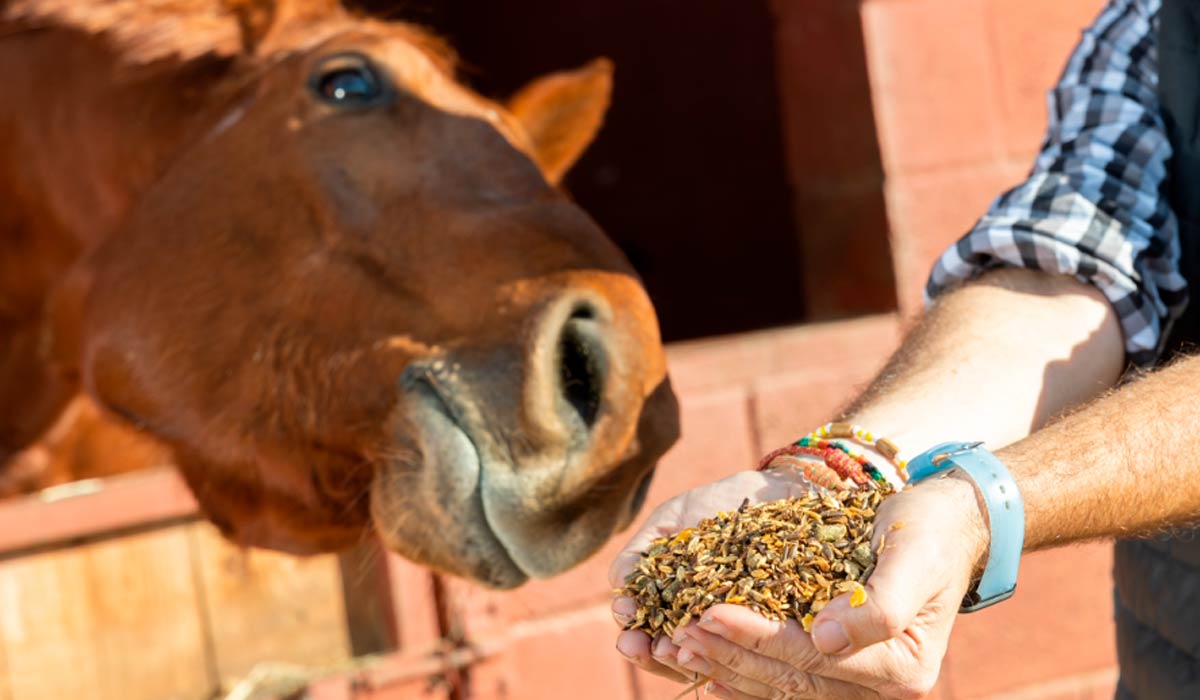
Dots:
(343, 291)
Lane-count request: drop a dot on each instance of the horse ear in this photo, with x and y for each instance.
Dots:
(256, 18)
(562, 112)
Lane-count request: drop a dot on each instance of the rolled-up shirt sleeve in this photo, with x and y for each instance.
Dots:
(1092, 205)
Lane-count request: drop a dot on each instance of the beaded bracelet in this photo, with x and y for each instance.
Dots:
(839, 463)
(884, 446)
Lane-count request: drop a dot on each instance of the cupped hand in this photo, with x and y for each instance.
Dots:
(683, 511)
(932, 539)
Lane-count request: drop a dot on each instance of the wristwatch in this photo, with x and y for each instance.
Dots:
(1005, 510)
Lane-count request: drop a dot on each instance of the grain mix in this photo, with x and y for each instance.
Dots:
(783, 559)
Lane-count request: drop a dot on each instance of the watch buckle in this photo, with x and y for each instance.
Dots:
(937, 459)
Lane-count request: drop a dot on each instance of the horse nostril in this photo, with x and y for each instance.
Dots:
(581, 365)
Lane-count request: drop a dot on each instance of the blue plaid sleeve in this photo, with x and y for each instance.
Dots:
(1091, 206)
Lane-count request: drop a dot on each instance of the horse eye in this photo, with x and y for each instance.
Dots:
(348, 82)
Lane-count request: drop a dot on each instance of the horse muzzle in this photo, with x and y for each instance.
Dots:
(533, 448)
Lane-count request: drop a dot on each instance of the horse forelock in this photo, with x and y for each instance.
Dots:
(149, 31)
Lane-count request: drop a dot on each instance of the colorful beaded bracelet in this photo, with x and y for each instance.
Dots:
(882, 445)
(839, 463)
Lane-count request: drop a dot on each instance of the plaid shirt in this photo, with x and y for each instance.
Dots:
(1092, 205)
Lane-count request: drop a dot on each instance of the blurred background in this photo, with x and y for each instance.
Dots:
(783, 174)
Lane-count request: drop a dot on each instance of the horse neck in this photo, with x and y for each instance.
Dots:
(81, 135)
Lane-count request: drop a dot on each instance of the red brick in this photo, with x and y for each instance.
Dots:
(741, 360)
(567, 657)
(1031, 41)
(786, 407)
(716, 443)
(1059, 624)
(1096, 685)
(930, 211)
(932, 83)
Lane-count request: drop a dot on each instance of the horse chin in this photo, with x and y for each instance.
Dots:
(427, 505)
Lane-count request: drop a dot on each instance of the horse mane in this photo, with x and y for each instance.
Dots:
(143, 31)
(148, 31)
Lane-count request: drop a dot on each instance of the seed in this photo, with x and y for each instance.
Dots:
(783, 559)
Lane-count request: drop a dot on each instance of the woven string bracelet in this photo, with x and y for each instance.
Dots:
(849, 431)
(839, 462)
(882, 445)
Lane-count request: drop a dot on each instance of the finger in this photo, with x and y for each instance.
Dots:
(666, 653)
(635, 646)
(623, 610)
(749, 673)
(755, 674)
(784, 641)
(789, 643)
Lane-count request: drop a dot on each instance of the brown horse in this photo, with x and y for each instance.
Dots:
(343, 289)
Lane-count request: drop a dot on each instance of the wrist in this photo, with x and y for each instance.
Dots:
(1002, 518)
(972, 516)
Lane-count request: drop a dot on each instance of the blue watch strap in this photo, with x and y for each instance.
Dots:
(1006, 514)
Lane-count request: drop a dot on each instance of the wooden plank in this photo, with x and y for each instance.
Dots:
(267, 607)
(390, 603)
(94, 507)
(112, 620)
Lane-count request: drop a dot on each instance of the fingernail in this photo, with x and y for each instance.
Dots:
(710, 624)
(623, 610)
(829, 637)
(691, 662)
(679, 637)
(624, 653)
(718, 690)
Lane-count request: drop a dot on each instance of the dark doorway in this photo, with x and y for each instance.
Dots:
(688, 174)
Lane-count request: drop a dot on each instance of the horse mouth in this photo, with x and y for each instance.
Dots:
(452, 453)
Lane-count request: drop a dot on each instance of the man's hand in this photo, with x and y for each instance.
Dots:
(933, 538)
(682, 511)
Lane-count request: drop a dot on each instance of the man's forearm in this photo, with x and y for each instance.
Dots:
(998, 360)
(994, 361)
(1127, 464)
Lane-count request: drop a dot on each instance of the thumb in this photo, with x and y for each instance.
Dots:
(922, 557)
(890, 607)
